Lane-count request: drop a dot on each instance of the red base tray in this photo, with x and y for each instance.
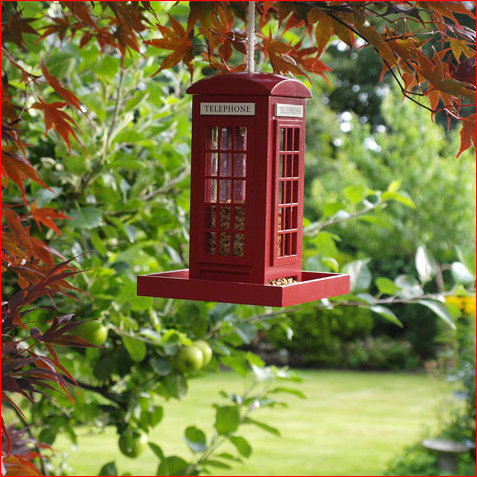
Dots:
(177, 284)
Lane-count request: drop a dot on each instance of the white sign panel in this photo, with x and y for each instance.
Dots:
(289, 110)
(227, 109)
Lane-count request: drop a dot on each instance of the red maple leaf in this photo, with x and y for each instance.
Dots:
(57, 119)
(45, 216)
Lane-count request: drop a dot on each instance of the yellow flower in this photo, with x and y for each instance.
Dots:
(455, 300)
(469, 305)
(464, 303)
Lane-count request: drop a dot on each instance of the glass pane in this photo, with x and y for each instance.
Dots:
(288, 192)
(293, 243)
(281, 186)
(211, 166)
(282, 139)
(280, 219)
(289, 166)
(297, 139)
(295, 192)
(239, 191)
(226, 138)
(240, 164)
(241, 138)
(210, 243)
(224, 244)
(213, 137)
(279, 246)
(224, 217)
(290, 139)
(225, 164)
(286, 248)
(294, 222)
(239, 245)
(288, 218)
(211, 216)
(225, 191)
(282, 165)
(211, 190)
(239, 218)
(295, 165)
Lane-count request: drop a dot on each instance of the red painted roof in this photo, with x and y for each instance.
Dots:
(266, 84)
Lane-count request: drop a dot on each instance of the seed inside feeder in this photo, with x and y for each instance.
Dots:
(278, 282)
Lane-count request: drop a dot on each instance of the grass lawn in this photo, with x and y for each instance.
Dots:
(351, 423)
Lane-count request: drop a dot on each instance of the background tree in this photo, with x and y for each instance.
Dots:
(100, 127)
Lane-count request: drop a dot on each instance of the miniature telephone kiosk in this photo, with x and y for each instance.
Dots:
(247, 182)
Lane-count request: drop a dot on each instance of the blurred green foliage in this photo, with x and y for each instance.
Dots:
(371, 199)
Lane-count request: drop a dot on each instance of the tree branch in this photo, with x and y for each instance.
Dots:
(107, 142)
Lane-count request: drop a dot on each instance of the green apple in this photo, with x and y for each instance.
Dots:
(93, 332)
(133, 443)
(206, 350)
(189, 358)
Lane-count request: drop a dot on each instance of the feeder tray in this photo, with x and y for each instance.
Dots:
(177, 284)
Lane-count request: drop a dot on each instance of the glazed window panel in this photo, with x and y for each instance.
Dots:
(226, 188)
(287, 175)
(211, 190)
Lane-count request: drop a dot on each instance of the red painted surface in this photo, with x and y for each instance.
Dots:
(272, 235)
(247, 183)
(177, 284)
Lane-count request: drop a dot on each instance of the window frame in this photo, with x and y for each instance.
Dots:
(295, 205)
(221, 122)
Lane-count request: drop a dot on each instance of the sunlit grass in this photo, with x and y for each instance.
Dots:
(351, 423)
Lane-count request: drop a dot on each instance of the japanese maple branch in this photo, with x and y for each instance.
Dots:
(405, 93)
(32, 437)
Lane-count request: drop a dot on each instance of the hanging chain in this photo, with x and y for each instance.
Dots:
(251, 37)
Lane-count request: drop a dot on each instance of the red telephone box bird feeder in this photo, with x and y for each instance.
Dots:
(246, 208)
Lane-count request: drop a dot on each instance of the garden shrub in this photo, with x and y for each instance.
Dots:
(319, 336)
(381, 353)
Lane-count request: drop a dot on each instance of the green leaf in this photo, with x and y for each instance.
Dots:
(439, 309)
(176, 385)
(461, 274)
(98, 244)
(325, 244)
(355, 194)
(360, 276)
(242, 445)
(295, 392)
(394, 186)
(85, 218)
(379, 221)
(386, 313)
(237, 362)
(216, 463)
(227, 419)
(173, 465)
(262, 425)
(157, 450)
(255, 360)
(409, 286)
(399, 197)
(246, 331)
(109, 469)
(155, 415)
(386, 286)
(136, 349)
(333, 207)
(425, 264)
(161, 366)
(195, 439)
(138, 98)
